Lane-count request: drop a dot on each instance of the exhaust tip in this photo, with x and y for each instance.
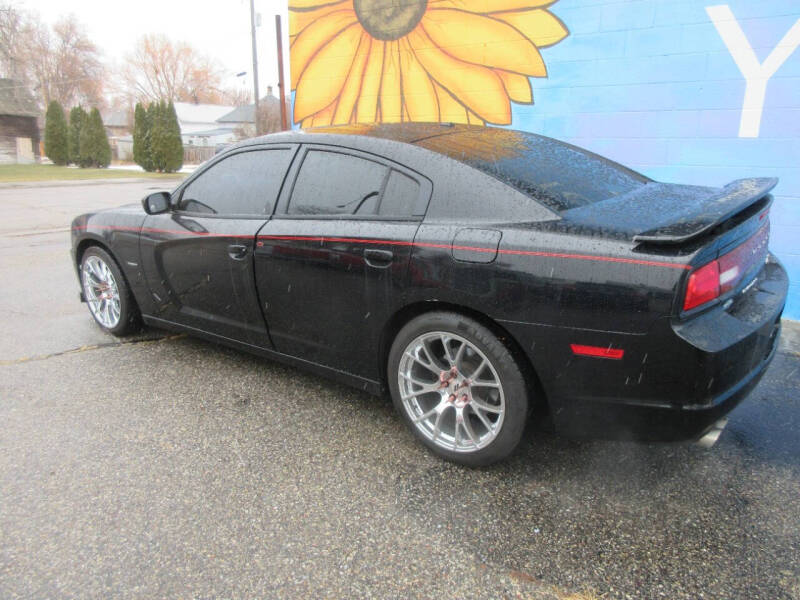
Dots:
(712, 435)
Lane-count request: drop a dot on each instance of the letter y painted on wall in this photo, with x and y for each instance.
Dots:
(756, 74)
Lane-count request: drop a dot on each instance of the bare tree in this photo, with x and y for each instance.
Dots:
(269, 117)
(236, 96)
(64, 64)
(14, 35)
(60, 64)
(160, 69)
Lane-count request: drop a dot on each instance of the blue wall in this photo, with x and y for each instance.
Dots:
(651, 84)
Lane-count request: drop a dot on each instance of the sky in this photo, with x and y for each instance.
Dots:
(219, 28)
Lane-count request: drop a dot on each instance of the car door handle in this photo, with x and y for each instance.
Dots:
(237, 251)
(378, 258)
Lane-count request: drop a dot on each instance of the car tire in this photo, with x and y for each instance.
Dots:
(458, 388)
(107, 293)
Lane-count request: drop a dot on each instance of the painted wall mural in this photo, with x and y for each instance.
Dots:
(688, 91)
(461, 61)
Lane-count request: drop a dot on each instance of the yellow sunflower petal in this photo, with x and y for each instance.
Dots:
(325, 75)
(324, 117)
(352, 86)
(419, 97)
(477, 87)
(314, 37)
(488, 6)
(450, 109)
(484, 41)
(391, 98)
(541, 27)
(474, 119)
(518, 87)
(371, 84)
(299, 20)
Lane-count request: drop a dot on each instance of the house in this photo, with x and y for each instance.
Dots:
(199, 126)
(210, 137)
(243, 118)
(199, 117)
(118, 123)
(123, 148)
(19, 132)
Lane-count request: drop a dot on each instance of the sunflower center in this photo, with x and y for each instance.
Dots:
(389, 19)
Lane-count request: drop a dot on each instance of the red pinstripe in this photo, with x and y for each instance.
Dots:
(301, 238)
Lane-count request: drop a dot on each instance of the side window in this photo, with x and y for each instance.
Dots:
(243, 184)
(330, 183)
(401, 197)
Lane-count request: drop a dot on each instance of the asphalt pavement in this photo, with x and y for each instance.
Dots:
(161, 466)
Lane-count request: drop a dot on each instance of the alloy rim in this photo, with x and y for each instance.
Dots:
(101, 292)
(451, 391)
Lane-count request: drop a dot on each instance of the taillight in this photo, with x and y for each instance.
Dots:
(703, 286)
(722, 275)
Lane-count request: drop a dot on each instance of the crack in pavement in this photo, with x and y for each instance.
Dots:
(33, 232)
(24, 359)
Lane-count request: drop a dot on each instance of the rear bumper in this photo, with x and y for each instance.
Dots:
(675, 381)
(612, 419)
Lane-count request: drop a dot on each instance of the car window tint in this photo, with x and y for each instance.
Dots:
(331, 183)
(401, 196)
(243, 184)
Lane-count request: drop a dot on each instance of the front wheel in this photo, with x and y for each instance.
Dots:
(107, 294)
(458, 388)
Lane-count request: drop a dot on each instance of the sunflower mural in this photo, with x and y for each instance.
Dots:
(461, 61)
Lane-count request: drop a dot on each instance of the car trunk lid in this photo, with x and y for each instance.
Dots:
(660, 213)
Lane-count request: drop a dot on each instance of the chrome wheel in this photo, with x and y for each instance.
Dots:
(101, 291)
(451, 392)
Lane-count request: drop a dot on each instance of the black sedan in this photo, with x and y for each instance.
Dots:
(480, 275)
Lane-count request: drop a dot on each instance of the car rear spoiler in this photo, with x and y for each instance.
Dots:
(713, 210)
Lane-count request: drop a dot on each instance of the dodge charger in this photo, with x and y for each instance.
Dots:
(485, 278)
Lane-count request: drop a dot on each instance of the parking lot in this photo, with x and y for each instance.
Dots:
(163, 466)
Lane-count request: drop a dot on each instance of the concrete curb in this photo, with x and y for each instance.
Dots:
(79, 182)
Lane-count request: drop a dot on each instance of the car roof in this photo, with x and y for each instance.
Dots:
(558, 175)
(470, 139)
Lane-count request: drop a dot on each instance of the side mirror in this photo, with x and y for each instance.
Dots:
(157, 203)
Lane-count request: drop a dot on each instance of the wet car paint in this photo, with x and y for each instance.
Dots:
(306, 291)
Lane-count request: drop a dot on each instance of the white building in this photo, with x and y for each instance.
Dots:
(199, 117)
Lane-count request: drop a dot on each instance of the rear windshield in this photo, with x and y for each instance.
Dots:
(556, 174)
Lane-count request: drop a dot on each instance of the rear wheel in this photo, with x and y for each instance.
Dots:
(107, 294)
(458, 388)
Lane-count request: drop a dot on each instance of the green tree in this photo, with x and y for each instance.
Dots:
(77, 116)
(94, 147)
(55, 134)
(174, 143)
(151, 135)
(141, 128)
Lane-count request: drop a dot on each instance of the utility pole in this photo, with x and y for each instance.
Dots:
(281, 92)
(255, 58)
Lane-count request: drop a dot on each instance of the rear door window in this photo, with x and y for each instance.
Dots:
(338, 183)
(401, 197)
(332, 183)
